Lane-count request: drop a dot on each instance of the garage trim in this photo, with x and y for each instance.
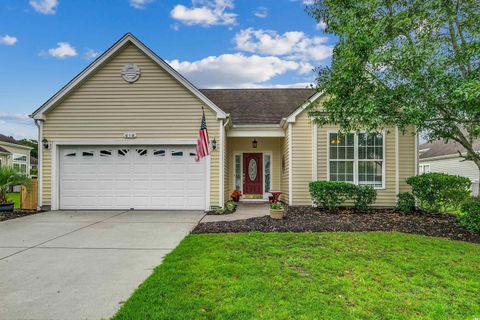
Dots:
(56, 161)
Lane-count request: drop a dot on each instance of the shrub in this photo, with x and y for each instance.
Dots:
(363, 197)
(405, 202)
(230, 205)
(470, 216)
(331, 194)
(439, 191)
(276, 206)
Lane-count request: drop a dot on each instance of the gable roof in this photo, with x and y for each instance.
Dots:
(3, 150)
(127, 38)
(258, 106)
(440, 148)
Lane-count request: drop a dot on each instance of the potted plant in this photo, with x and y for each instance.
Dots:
(10, 177)
(236, 195)
(276, 210)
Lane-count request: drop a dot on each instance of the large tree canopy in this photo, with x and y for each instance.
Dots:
(403, 63)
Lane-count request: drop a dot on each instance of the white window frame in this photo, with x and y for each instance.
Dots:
(355, 157)
(422, 167)
(241, 153)
(20, 163)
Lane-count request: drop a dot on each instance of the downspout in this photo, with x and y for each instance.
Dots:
(39, 124)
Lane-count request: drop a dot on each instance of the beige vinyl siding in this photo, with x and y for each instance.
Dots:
(285, 143)
(105, 106)
(244, 145)
(407, 157)
(3, 159)
(302, 160)
(16, 150)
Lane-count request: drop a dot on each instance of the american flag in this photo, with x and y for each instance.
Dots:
(202, 142)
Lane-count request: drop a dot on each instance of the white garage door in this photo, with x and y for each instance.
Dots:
(124, 177)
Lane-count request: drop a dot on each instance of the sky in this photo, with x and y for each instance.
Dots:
(213, 43)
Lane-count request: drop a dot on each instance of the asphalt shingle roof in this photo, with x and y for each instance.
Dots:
(8, 139)
(441, 148)
(258, 106)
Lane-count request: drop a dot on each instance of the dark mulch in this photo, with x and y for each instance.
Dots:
(301, 219)
(16, 214)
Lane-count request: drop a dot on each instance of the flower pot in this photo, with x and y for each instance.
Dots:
(276, 213)
(236, 198)
(6, 207)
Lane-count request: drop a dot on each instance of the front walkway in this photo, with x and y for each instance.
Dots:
(244, 210)
(84, 264)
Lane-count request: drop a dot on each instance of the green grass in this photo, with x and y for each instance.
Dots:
(312, 276)
(15, 197)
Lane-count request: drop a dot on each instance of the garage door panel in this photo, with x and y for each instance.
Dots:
(120, 177)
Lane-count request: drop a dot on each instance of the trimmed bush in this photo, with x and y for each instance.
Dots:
(439, 192)
(363, 197)
(405, 202)
(470, 217)
(331, 194)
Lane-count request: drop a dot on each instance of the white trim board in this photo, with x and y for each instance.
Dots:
(293, 116)
(40, 112)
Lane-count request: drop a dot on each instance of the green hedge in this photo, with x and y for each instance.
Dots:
(331, 194)
(440, 192)
(405, 202)
(470, 217)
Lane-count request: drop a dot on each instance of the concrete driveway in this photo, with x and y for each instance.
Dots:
(82, 264)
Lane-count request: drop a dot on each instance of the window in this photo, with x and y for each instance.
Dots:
(123, 152)
(87, 153)
(20, 158)
(357, 158)
(105, 153)
(71, 154)
(423, 168)
(266, 161)
(142, 152)
(177, 153)
(159, 153)
(193, 154)
(342, 156)
(20, 163)
(370, 159)
(238, 172)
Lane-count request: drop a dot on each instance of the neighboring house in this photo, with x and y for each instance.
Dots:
(12, 153)
(439, 156)
(122, 135)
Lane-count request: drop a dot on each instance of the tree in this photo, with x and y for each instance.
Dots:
(403, 63)
(31, 143)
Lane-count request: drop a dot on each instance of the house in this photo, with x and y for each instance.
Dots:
(441, 156)
(13, 153)
(122, 135)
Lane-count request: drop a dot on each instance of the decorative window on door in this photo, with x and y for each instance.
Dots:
(266, 161)
(238, 172)
(252, 169)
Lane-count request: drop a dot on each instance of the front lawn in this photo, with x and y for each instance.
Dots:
(15, 197)
(372, 275)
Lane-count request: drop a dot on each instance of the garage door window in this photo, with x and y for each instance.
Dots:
(123, 152)
(142, 152)
(71, 154)
(105, 153)
(87, 153)
(177, 153)
(159, 153)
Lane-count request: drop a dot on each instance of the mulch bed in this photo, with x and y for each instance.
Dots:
(16, 214)
(301, 219)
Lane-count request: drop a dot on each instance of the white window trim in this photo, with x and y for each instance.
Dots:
(423, 166)
(241, 153)
(355, 158)
(25, 162)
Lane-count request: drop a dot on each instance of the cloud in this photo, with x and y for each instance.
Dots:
(236, 70)
(261, 12)
(205, 13)
(18, 125)
(305, 2)
(8, 40)
(139, 4)
(91, 54)
(321, 25)
(292, 44)
(63, 50)
(44, 6)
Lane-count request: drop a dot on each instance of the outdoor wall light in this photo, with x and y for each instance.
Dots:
(214, 144)
(45, 143)
(254, 144)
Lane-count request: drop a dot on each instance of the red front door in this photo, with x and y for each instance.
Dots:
(253, 173)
